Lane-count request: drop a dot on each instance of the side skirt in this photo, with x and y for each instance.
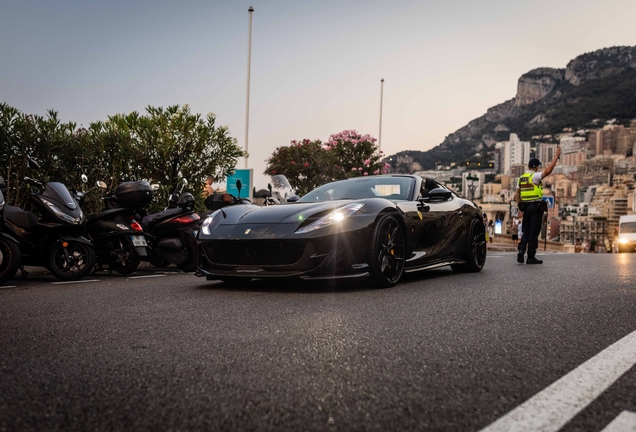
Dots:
(434, 265)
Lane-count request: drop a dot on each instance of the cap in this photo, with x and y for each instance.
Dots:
(533, 163)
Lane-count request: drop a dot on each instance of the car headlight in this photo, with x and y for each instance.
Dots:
(335, 216)
(206, 223)
(65, 217)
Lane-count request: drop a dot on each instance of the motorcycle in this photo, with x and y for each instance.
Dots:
(9, 246)
(280, 193)
(171, 233)
(117, 237)
(54, 239)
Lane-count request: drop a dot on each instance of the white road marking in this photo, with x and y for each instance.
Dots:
(74, 282)
(625, 422)
(553, 407)
(147, 276)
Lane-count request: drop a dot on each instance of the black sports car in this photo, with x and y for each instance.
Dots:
(375, 226)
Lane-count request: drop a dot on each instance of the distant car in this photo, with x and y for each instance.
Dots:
(374, 227)
(627, 234)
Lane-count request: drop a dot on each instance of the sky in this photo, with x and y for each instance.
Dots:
(316, 66)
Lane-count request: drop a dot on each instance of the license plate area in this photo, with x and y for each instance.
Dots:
(138, 241)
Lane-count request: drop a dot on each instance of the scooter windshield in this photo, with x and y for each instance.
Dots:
(60, 194)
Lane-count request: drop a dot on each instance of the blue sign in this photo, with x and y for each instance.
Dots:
(550, 201)
(246, 178)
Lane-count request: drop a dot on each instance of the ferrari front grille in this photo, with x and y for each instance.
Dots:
(261, 253)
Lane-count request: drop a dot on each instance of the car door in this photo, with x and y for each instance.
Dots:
(430, 227)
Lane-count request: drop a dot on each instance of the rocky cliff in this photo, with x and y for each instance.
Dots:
(596, 85)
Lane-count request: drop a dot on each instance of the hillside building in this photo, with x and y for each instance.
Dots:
(516, 152)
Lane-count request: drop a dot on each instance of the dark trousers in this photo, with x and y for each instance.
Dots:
(531, 227)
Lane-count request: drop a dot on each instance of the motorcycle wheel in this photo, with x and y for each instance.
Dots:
(72, 262)
(9, 259)
(130, 261)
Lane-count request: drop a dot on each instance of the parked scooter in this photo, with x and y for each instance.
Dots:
(117, 237)
(55, 239)
(9, 246)
(171, 233)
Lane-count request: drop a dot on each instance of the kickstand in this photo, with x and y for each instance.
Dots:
(24, 273)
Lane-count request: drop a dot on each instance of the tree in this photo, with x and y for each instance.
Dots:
(173, 143)
(308, 164)
(354, 155)
(161, 146)
(304, 163)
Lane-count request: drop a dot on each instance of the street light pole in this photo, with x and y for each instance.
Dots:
(381, 97)
(470, 182)
(247, 105)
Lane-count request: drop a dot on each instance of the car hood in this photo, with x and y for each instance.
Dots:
(286, 213)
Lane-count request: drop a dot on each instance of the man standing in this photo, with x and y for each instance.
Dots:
(529, 195)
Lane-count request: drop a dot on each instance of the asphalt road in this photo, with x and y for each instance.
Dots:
(441, 351)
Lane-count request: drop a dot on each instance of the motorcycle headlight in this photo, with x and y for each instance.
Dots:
(334, 217)
(623, 240)
(59, 213)
(206, 223)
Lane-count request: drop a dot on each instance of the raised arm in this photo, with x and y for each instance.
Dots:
(546, 172)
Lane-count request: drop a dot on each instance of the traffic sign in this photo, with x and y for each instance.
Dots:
(550, 201)
(246, 176)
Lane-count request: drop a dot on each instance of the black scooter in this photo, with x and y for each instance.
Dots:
(9, 246)
(54, 240)
(171, 233)
(117, 237)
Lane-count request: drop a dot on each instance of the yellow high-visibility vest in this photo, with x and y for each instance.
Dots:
(529, 191)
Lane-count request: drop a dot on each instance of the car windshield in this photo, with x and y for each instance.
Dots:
(391, 188)
(628, 227)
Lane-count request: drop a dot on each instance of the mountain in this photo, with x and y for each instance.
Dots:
(593, 87)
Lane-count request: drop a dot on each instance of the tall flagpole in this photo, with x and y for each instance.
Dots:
(247, 105)
(381, 97)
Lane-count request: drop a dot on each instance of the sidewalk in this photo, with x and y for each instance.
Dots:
(503, 243)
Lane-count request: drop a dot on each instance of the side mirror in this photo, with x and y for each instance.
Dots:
(100, 184)
(154, 187)
(293, 198)
(238, 186)
(269, 186)
(33, 164)
(185, 182)
(437, 195)
(84, 178)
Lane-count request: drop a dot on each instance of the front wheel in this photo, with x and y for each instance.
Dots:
(475, 255)
(126, 258)
(387, 252)
(71, 260)
(9, 259)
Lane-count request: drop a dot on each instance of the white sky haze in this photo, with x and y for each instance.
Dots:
(316, 66)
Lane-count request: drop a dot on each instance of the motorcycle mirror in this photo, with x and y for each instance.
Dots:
(84, 178)
(154, 187)
(269, 186)
(238, 186)
(100, 184)
(185, 182)
(33, 164)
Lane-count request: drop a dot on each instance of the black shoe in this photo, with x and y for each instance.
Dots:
(534, 261)
(520, 257)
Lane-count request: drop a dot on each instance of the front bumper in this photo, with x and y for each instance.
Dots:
(336, 256)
